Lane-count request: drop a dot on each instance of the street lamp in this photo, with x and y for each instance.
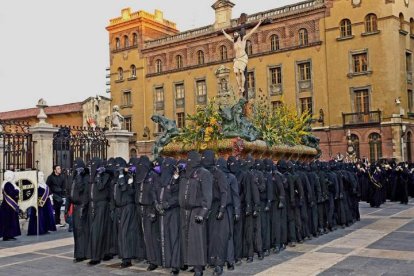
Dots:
(403, 132)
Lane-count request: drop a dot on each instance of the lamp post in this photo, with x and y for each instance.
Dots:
(403, 132)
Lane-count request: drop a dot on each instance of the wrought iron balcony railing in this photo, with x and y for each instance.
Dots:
(361, 118)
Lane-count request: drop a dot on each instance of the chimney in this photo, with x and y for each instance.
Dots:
(223, 9)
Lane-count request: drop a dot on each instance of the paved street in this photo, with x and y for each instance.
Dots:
(382, 243)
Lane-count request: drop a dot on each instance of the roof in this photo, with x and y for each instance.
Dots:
(33, 112)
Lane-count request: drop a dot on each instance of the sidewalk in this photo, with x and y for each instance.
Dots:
(382, 243)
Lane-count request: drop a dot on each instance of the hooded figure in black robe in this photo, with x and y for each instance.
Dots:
(252, 226)
(195, 197)
(236, 167)
(217, 224)
(146, 197)
(79, 198)
(278, 211)
(375, 188)
(98, 211)
(232, 208)
(111, 240)
(127, 227)
(9, 208)
(166, 190)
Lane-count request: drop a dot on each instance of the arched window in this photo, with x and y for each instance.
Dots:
(303, 37)
(411, 26)
(371, 23)
(355, 143)
(223, 52)
(274, 43)
(409, 141)
(375, 147)
(126, 41)
(158, 66)
(117, 43)
(133, 71)
(346, 28)
(179, 61)
(249, 48)
(401, 21)
(134, 39)
(120, 73)
(200, 57)
(132, 153)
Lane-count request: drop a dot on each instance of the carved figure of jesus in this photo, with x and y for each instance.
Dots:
(241, 59)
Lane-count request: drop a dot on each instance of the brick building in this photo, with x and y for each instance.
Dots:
(347, 62)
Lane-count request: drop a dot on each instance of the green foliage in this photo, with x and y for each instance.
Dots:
(280, 125)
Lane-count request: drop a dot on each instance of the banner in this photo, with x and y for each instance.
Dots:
(27, 182)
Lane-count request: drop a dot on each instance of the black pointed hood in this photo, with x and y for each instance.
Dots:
(233, 164)
(95, 163)
(193, 162)
(143, 168)
(167, 170)
(249, 162)
(268, 164)
(208, 159)
(282, 166)
(222, 165)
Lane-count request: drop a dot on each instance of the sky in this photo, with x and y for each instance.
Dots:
(58, 49)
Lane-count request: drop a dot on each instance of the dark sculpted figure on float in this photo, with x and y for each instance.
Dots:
(170, 131)
(235, 124)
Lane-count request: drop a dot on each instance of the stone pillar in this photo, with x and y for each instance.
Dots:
(118, 143)
(396, 128)
(42, 135)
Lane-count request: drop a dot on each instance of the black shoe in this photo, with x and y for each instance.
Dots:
(238, 262)
(184, 267)
(9, 239)
(283, 247)
(152, 267)
(78, 260)
(276, 250)
(91, 262)
(260, 256)
(198, 273)
(230, 267)
(125, 264)
(218, 270)
(249, 260)
(300, 241)
(266, 253)
(107, 257)
(292, 244)
(175, 271)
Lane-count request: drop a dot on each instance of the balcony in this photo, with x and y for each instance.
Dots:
(305, 85)
(361, 118)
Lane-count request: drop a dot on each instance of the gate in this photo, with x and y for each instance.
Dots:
(72, 142)
(16, 146)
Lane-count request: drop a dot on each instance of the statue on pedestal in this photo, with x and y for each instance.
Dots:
(116, 118)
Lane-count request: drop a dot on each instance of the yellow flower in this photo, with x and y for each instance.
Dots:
(213, 121)
(207, 138)
(209, 130)
(203, 146)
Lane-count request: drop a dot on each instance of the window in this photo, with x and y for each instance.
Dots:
(411, 26)
(158, 66)
(120, 74)
(223, 52)
(179, 95)
(249, 48)
(180, 120)
(371, 23)
(179, 61)
(410, 100)
(126, 98)
(128, 124)
(117, 43)
(362, 101)
(276, 104)
(133, 71)
(306, 105)
(159, 98)
(274, 43)
(346, 28)
(251, 84)
(276, 75)
(304, 71)
(401, 21)
(375, 147)
(355, 143)
(134, 39)
(303, 37)
(126, 41)
(360, 62)
(408, 62)
(201, 91)
(200, 57)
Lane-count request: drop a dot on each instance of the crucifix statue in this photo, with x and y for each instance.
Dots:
(241, 59)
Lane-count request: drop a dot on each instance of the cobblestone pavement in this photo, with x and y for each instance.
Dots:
(382, 243)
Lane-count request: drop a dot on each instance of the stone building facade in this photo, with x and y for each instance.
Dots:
(348, 62)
